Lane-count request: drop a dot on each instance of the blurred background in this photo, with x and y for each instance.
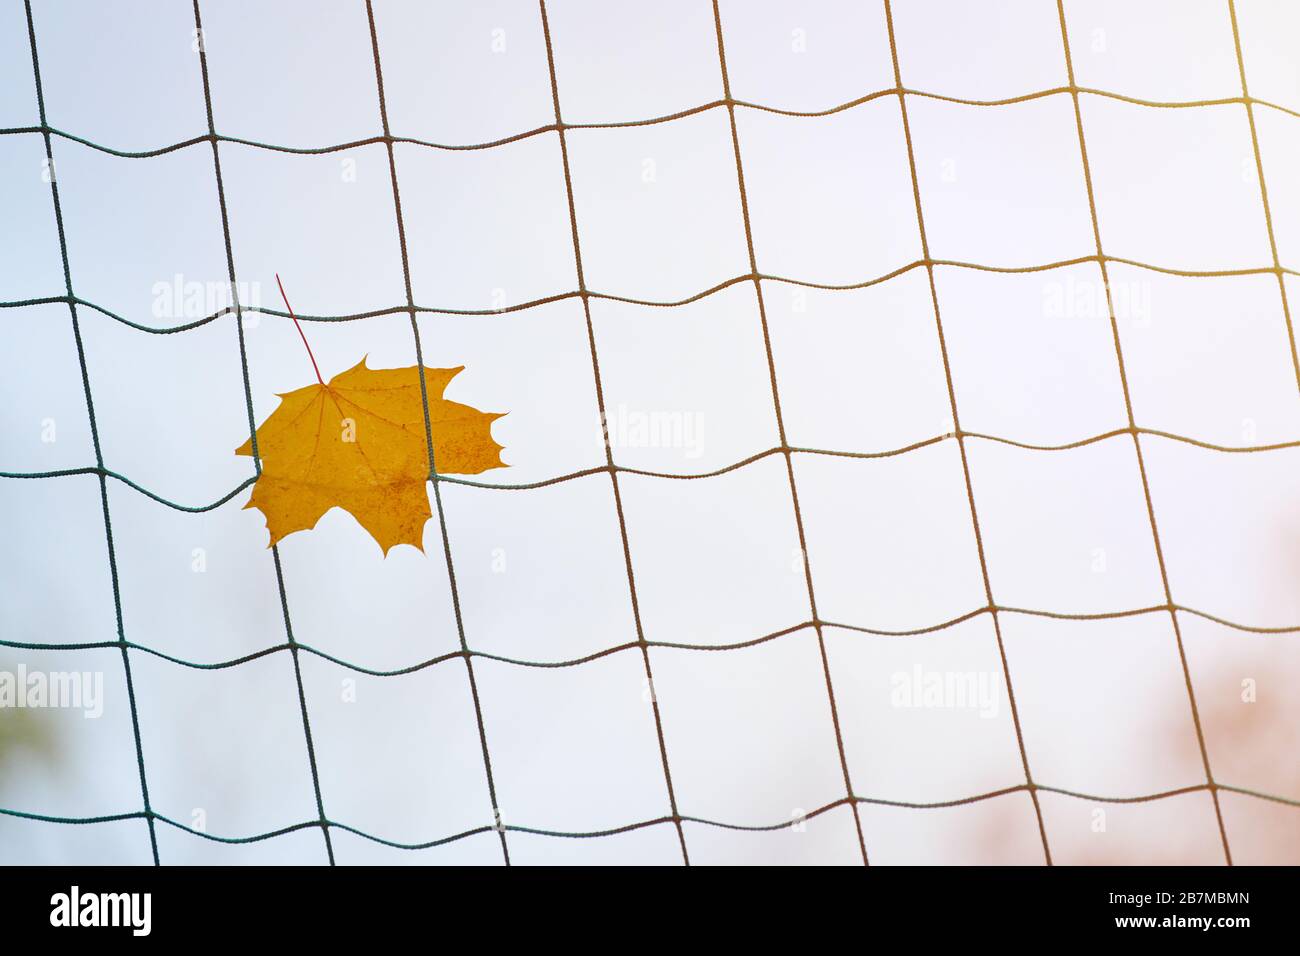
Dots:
(922, 728)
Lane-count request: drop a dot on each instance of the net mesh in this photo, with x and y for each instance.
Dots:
(675, 818)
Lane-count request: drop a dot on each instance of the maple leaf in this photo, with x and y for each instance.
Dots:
(359, 444)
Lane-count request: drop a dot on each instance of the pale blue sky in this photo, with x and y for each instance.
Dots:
(540, 573)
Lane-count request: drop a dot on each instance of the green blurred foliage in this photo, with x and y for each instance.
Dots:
(24, 730)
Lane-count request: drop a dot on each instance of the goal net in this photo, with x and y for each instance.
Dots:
(903, 403)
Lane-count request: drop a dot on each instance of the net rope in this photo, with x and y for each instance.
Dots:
(468, 655)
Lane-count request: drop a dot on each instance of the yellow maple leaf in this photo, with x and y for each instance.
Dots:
(359, 444)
